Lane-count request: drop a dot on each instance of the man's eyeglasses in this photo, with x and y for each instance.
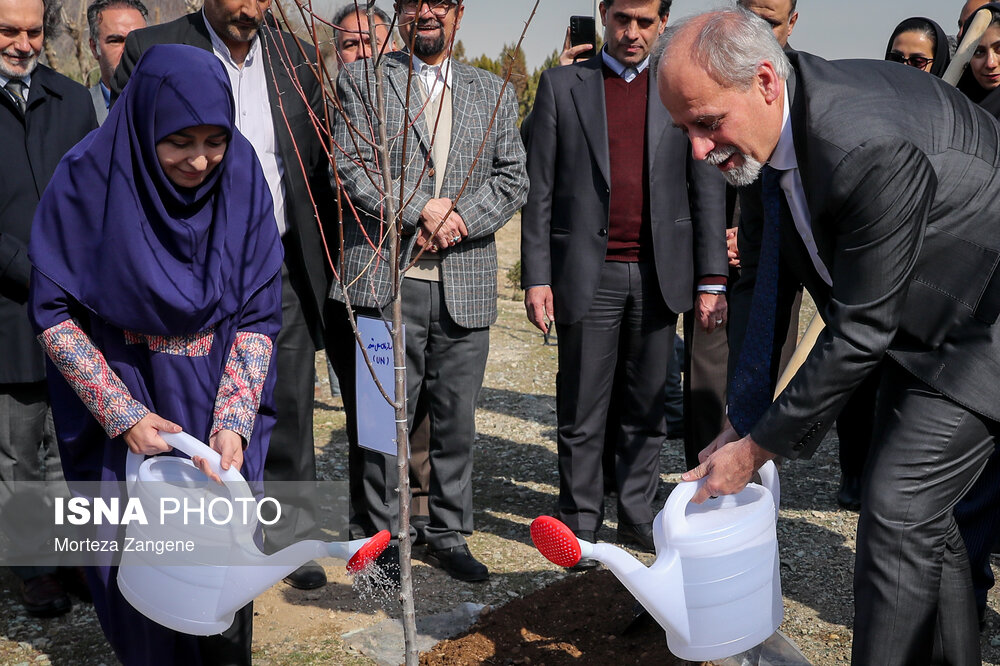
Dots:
(439, 8)
(917, 61)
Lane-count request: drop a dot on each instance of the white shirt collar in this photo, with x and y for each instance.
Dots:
(783, 158)
(628, 72)
(26, 80)
(220, 47)
(432, 76)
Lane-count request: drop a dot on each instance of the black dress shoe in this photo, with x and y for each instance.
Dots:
(638, 536)
(307, 577)
(74, 581)
(44, 596)
(849, 495)
(388, 565)
(585, 563)
(459, 563)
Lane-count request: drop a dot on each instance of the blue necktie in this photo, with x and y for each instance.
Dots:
(750, 390)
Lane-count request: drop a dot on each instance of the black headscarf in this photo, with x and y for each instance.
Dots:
(942, 53)
(988, 99)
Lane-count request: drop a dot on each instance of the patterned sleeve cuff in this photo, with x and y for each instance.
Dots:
(242, 382)
(85, 369)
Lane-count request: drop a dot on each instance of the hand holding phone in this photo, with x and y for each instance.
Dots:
(582, 31)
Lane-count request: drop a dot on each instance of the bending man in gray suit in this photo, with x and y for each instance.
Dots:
(620, 222)
(893, 225)
(449, 297)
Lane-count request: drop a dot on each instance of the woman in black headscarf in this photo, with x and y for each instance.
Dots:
(981, 79)
(919, 42)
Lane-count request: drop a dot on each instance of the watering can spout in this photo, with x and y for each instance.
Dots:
(659, 588)
(259, 572)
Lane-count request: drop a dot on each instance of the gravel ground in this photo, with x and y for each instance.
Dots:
(515, 481)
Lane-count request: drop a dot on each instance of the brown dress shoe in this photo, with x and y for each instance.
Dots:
(44, 596)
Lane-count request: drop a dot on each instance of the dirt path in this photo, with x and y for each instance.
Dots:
(515, 481)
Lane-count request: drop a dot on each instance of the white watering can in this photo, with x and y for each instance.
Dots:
(715, 587)
(194, 593)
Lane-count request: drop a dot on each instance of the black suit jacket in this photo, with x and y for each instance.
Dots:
(564, 224)
(906, 217)
(58, 115)
(305, 254)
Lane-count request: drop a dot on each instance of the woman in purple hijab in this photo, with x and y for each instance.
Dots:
(156, 296)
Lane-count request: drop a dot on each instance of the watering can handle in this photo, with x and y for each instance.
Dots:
(769, 479)
(185, 443)
(677, 503)
(685, 491)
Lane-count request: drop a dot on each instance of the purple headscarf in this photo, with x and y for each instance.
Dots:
(138, 251)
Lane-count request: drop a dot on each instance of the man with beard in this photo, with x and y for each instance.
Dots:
(266, 68)
(612, 264)
(902, 264)
(42, 115)
(449, 296)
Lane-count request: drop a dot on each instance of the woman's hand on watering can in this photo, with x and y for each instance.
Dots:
(728, 469)
(229, 445)
(144, 437)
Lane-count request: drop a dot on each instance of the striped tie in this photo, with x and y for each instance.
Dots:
(16, 88)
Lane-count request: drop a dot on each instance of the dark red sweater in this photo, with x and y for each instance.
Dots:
(629, 234)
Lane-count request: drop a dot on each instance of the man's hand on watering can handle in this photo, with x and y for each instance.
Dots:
(229, 444)
(727, 464)
(144, 437)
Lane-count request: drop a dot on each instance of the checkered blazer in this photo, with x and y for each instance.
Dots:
(498, 183)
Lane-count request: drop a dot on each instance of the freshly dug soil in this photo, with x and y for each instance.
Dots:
(585, 618)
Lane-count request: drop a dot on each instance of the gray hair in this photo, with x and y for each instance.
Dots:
(729, 44)
(360, 7)
(98, 6)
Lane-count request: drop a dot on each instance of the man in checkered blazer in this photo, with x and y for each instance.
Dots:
(445, 136)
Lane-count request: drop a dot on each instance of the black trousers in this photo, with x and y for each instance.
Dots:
(445, 368)
(912, 589)
(627, 328)
(290, 455)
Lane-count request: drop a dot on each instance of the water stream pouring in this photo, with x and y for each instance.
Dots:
(194, 593)
(714, 586)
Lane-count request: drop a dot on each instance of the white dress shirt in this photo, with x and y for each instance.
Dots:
(783, 159)
(627, 72)
(434, 77)
(26, 80)
(253, 115)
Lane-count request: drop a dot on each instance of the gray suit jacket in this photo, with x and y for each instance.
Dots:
(98, 98)
(906, 218)
(497, 183)
(564, 228)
